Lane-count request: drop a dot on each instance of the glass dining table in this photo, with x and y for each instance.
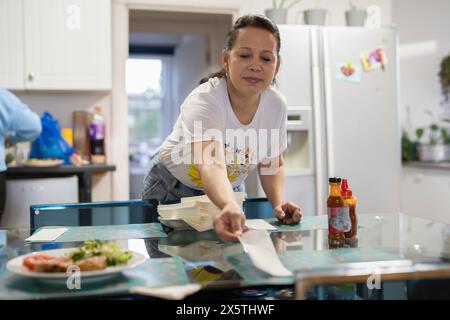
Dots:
(394, 256)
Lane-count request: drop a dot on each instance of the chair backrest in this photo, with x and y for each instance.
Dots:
(93, 213)
(120, 212)
(258, 208)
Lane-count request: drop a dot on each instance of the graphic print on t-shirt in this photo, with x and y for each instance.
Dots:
(238, 162)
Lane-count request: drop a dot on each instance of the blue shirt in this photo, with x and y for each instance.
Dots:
(17, 121)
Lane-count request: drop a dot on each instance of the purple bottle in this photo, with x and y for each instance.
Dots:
(97, 133)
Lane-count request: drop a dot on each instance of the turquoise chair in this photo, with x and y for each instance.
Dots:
(258, 208)
(119, 212)
(93, 213)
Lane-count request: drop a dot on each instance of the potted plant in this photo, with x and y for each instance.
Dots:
(436, 147)
(409, 148)
(315, 16)
(444, 77)
(355, 16)
(279, 10)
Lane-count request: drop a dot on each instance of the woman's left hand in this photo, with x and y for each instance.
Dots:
(288, 213)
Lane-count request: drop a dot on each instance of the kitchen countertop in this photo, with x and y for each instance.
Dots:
(62, 169)
(427, 165)
(84, 174)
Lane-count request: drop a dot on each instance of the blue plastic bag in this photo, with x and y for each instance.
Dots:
(51, 144)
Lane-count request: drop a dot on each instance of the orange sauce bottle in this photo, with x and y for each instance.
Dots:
(335, 205)
(350, 203)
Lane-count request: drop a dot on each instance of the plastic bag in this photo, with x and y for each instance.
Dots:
(51, 144)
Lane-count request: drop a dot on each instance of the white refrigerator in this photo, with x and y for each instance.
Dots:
(340, 126)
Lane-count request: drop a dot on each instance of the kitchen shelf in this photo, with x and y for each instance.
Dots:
(428, 165)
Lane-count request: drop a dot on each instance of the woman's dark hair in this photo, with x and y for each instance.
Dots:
(253, 21)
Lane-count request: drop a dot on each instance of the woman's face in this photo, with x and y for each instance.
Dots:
(252, 63)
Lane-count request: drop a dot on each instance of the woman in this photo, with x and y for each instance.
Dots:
(232, 123)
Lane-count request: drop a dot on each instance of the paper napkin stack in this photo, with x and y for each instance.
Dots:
(198, 212)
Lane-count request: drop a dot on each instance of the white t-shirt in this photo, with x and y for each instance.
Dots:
(206, 114)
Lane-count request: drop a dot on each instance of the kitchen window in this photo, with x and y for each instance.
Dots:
(148, 85)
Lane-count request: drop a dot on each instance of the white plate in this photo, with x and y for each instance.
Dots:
(15, 266)
(43, 163)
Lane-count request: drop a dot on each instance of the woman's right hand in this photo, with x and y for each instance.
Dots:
(229, 224)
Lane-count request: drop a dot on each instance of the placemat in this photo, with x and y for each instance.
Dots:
(307, 223)
(297, 260)
(111, 232)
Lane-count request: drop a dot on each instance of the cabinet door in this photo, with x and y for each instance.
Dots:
(425, 193)
(68, 44)
(11, 44)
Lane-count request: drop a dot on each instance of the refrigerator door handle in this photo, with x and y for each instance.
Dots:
(328, 104)
(318, 131)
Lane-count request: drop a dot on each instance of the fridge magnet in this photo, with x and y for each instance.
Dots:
(348, 71)
(373, 59)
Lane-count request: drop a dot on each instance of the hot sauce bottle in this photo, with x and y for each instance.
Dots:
(335, 204)
(350, 203)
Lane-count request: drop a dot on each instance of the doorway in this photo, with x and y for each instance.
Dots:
(169, 52)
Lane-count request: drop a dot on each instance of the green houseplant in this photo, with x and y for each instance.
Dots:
(433, 143)
(409, 148)
(279, 10)
(444, 77)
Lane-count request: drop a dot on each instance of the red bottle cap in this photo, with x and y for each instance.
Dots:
(345, 191)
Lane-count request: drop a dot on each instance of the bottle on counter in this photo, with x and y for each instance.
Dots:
(350, 205)
(97, 137)
(81, 134)
(335, 205)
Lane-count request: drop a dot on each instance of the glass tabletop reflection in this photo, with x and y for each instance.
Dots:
(213, 263)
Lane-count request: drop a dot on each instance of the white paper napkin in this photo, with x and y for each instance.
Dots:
(169, 293)
(45, 235)
(259, 224)
(260, 248)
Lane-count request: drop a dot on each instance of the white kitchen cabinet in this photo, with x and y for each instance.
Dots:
(11, 44)
(426, 193)
(65, 45)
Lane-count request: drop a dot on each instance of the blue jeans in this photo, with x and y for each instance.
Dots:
(161, 185)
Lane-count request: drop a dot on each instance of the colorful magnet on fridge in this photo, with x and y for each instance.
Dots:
(348, 71)
(373, 59)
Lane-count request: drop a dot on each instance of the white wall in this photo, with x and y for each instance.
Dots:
(424, 39)
(62, 104)
(190, 66)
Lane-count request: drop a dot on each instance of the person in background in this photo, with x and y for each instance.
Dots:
(17, 123)
(239, 98)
